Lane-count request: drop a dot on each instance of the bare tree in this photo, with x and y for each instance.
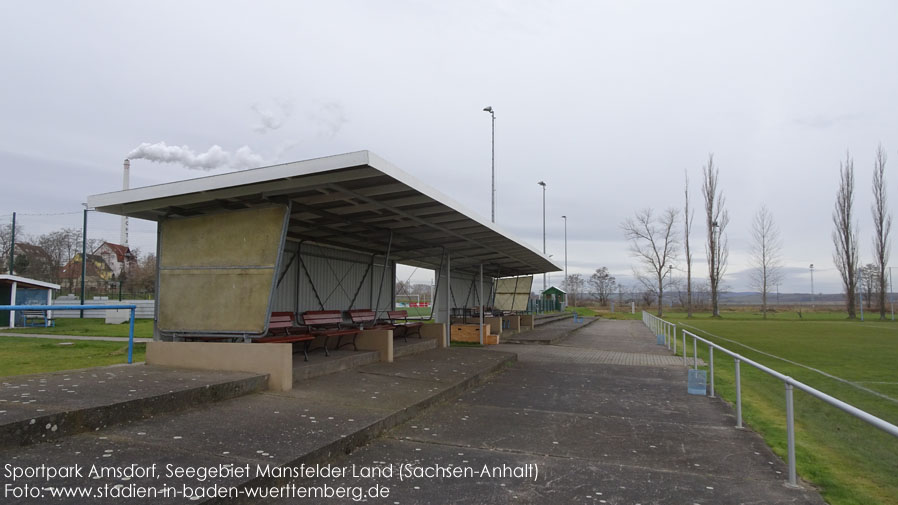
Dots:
(61, 245)
(765, 254)
(882, 226)
(717, 219)
(687, 227)
(654, 243)
(575, 285)
(845, 233)
(602, 284)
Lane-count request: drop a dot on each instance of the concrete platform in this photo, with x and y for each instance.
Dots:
(45, 407)
(551, 332)
(320, 419)
(592, 433)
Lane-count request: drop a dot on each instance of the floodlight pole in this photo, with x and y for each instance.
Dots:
(812, 286)
(493, 191)
(566, 288)
(543, 184)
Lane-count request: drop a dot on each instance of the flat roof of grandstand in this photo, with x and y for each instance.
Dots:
(356, 201)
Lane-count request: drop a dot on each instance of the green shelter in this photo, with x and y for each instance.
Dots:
(553, 298)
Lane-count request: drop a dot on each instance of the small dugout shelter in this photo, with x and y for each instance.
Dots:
(319, 234)
(554, 298)
(15, 290)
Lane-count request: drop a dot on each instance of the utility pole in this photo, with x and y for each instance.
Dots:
(12, 248)
(493, 192)
(812, 287)
(543, 184)
(566, 288)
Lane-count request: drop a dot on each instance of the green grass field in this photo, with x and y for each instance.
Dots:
(20, 355)
(848, 460)
(143, 328)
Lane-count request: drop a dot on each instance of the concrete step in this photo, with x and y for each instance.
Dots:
(413, 346)
(338, 361)
(47, 407)
(544, 319)
(317, 421)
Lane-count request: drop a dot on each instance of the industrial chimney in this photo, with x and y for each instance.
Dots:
(125, 181)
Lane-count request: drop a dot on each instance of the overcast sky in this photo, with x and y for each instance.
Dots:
(609, 102)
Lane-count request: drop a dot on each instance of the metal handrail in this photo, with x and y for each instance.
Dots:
(662, 328)
(132, 308)
(789, 383)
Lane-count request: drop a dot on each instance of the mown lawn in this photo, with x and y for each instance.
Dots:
(23, 355)
(850, 461)
(143, 328)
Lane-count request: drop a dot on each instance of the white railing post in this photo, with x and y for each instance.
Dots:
(711, 353)
(738, 396)
(685, 363)
(790, 434)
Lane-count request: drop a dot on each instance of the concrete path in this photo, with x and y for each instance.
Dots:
(73, 337)
(558, 428)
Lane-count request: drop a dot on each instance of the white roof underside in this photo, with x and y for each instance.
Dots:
(356, 201)
(30, 282)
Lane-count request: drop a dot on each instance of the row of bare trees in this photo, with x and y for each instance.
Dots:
(845, 234)
(655, 243)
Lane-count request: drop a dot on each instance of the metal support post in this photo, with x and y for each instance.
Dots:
(790, 435)
(738, 397)
(131, 337)
(83, 258)
(711, 368)
(481, 304)
(695, 354)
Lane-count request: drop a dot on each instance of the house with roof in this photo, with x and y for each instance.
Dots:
(118, 257)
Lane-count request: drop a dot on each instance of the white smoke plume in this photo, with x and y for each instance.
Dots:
(330, 118)
(214, 158)
(272, 120)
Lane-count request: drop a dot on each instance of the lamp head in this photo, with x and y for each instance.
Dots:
(541, 183)
(488, 109)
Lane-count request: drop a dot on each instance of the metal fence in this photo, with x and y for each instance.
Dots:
(789, 384)
(145, 308)
(664, 330)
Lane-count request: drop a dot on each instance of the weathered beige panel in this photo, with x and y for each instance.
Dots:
(214, 300)
(276, 360)
(526, 322)
(217, 271)
(513, 293)
(248, 237)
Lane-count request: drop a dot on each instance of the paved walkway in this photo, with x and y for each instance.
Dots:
(579, 430)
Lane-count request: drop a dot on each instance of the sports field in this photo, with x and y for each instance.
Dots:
(850, 461)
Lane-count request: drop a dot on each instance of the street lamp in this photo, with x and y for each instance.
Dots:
(812, 286)
(565, 254)
(493, 194)
(543, 184)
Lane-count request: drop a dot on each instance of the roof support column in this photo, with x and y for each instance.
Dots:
(12, 301)
(448, 298)
(481, 304)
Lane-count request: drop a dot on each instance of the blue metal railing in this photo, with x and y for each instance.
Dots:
(45, 308)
